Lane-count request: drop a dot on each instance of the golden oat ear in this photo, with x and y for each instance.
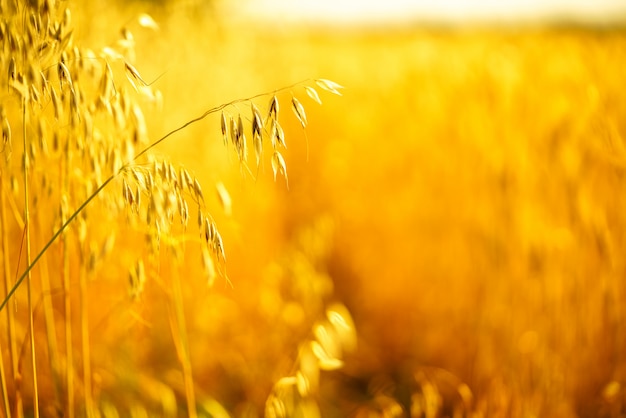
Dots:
(56, 104)
(224, 198)
(257, 120)
(197, 189)
(209, 266)
(279, 166)
(140, 133)
(133, 76)
(312, 93)
(257, 133)
(107, 86)
(325, 360)
(257, 140)
(127, 193)
(298, 110)
(233, 130)
(224, 129)
(273, 108)
(186, 178)
(216, 243)
(278, 135)
(65, 76)
(200, 219)
(6, 132)
(146, 21)
(329, 86)
(12, 70)
(137, 279)
(341, 320)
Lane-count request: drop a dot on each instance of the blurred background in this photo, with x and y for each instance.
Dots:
(468, 187)
(464, 200)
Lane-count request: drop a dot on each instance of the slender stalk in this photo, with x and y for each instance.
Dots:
(85, 347)
(31, 323)
(69, 356)
(5, 394)
(51, 332)
(182, 342)
(10, 314)
(67, 305)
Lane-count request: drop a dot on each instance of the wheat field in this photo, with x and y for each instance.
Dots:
(442, 237)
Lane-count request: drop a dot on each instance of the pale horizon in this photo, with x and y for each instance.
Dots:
(351, 11)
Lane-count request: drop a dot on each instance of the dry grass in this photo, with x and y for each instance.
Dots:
(463, 200)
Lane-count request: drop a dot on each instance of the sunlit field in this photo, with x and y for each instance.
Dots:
(443, 236)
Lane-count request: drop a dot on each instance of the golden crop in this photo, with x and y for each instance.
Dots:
(449, 241)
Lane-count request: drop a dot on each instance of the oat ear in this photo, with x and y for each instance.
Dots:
(6, 130)
(146, 21)
(298, 109)
(133, 76)
(273, 108)
(224, 198)
(224, 129)
(279, 166)
(312, 93)
(329, 86)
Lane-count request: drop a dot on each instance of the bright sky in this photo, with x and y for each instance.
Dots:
(447, 10)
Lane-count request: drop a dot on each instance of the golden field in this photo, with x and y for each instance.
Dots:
(449, 242)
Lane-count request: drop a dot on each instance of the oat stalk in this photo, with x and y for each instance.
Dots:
(51, 333)
(5, 395)
(181, 340)
(67, 303)
(85, 345)
(31, 324)
(10, 313)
